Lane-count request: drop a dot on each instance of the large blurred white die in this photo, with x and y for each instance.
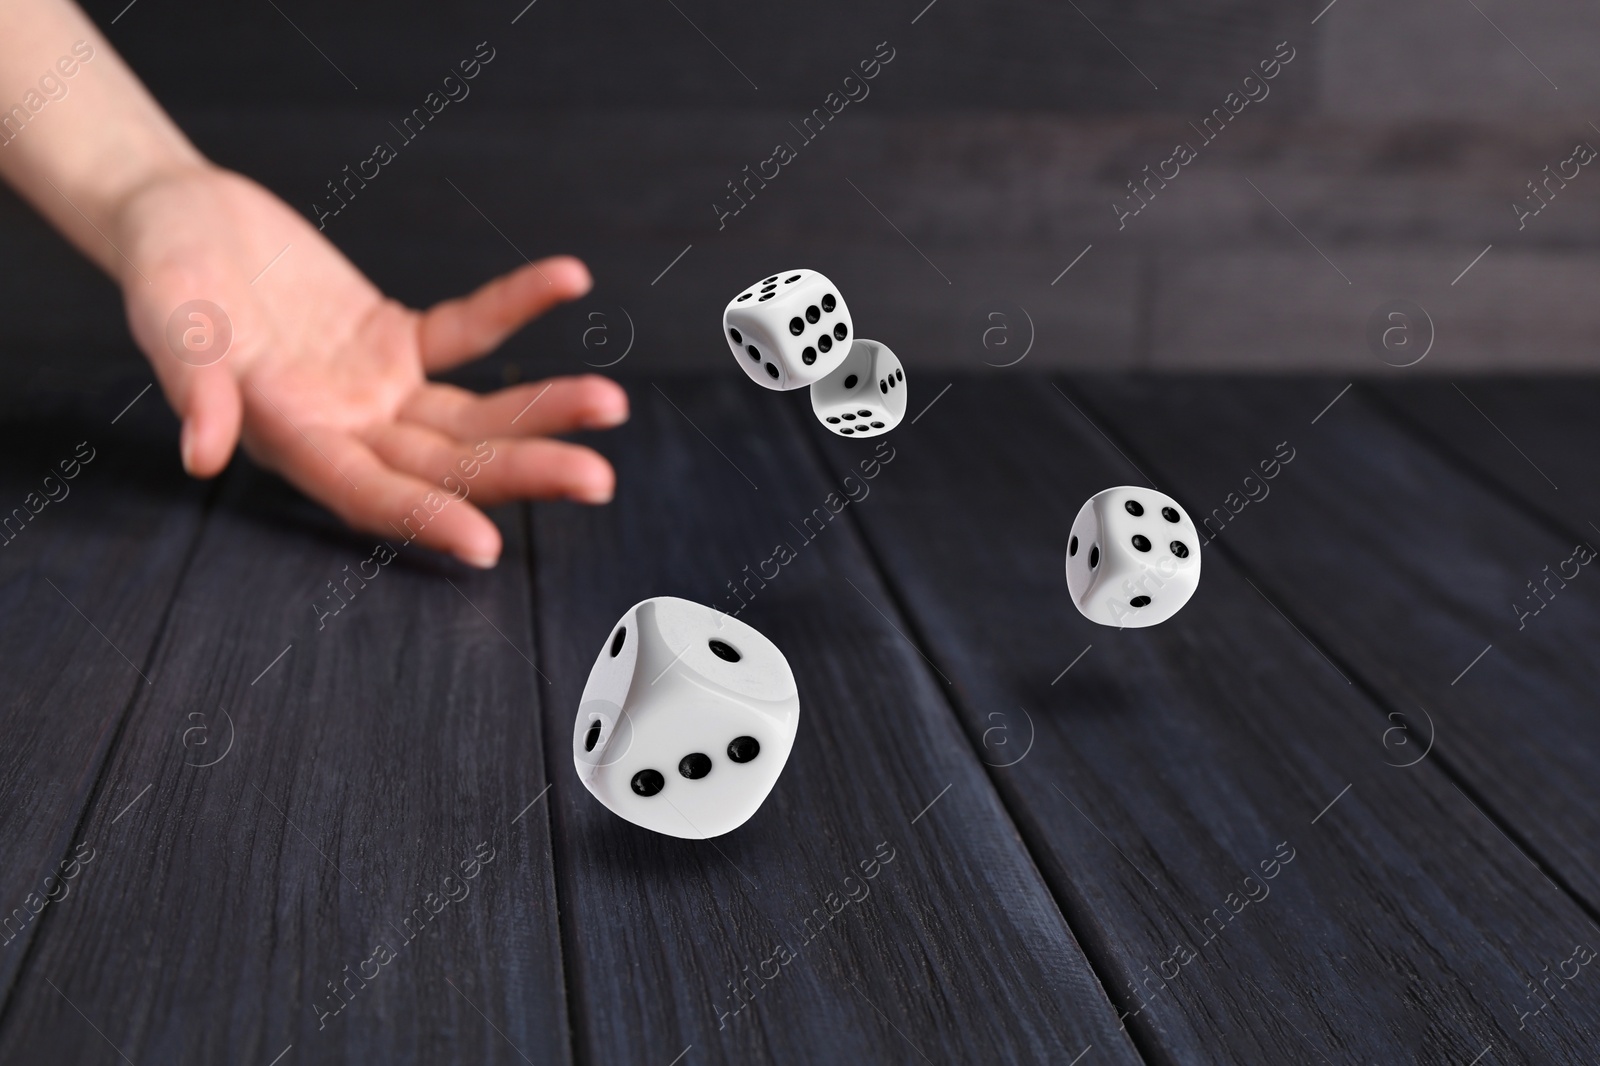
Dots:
(865, 396)
(1133, 558)
(686, 721)
(788, 330)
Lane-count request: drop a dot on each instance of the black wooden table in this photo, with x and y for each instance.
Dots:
(1343, 808)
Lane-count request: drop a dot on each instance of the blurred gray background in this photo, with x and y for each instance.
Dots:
(948, 203)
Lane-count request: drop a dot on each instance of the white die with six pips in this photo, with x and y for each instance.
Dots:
(1133, 557)
(686, 721)
(788, 330)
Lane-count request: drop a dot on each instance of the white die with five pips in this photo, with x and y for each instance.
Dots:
(788, 330)
(686, 721)
(1133, 558)
(865, 396)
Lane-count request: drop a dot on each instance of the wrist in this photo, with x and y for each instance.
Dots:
(122, 201)
(118, 176)
(80, 162)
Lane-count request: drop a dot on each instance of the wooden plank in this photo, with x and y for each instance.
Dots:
(90, 556)
(1167, 765)
(958, 953)
(1537, 440)
(353, 762)
(1407, 569)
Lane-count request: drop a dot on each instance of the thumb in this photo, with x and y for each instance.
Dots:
(188, 341)
(211, 410)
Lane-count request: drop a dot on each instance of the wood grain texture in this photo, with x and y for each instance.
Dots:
(339, 790)
(1167, 764)
(958, 954)
(1536, 441)
(88, 565)
(1403, 570)
(1061, 831)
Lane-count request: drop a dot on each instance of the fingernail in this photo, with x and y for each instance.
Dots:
(608, 419)
(482, 562)
(593, 494)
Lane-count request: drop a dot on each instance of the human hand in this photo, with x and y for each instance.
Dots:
(324, 381)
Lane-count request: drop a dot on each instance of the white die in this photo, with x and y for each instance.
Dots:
(686, 721)
(1133, 558)
(788, 330)
(865, 396)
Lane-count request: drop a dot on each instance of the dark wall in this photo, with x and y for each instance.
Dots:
(1011, 54)
(990, 155)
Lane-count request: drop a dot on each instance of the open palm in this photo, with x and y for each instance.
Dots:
(324, 380)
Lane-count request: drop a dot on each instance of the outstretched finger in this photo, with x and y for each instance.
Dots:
(457, 330)
(543, 408)
(352, 481)
(497, 470)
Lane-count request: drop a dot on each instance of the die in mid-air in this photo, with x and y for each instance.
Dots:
(788, 330)
(686, 721)
(1133, 558)
(865, 396)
